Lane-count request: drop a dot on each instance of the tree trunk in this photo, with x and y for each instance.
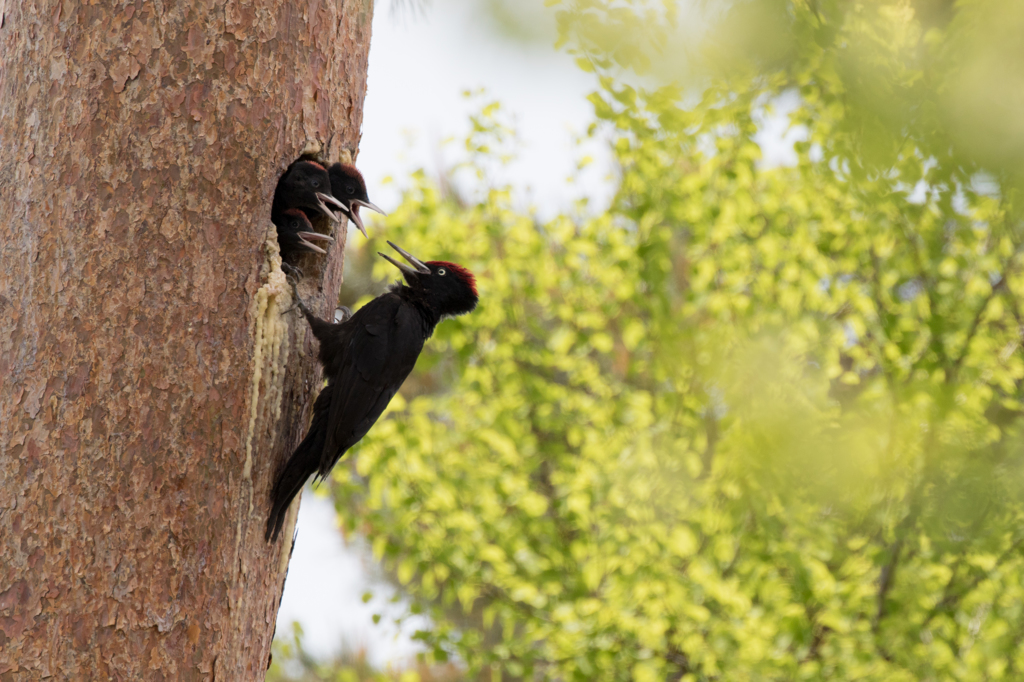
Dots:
(151, 383)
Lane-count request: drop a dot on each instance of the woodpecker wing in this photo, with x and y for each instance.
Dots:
(385, 339)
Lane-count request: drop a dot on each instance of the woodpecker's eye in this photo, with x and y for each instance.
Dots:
(441, 271)
(316, 183)
(295, 224)
(351, 189)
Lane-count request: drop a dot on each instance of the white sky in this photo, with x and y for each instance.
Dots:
(420, 66)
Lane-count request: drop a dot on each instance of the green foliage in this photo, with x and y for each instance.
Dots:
(751, 423)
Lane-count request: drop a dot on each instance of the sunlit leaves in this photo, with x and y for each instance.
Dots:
(752, 423)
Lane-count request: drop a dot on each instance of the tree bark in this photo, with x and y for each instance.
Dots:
(151, 382)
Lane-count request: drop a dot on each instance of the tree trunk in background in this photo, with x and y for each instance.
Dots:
(151, 386)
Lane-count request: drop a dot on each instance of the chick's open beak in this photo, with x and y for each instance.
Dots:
(354, 217)
(371, 206)
(306, 237)
(322, 203)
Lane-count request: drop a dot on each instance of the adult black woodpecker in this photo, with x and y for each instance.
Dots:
(295, 233)
(348, 187)
(365, 360)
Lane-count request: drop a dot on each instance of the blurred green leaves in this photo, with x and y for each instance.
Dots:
(945, 76)
(752, 422)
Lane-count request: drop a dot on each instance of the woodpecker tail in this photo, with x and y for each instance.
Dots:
(301, 465)
(287, 487)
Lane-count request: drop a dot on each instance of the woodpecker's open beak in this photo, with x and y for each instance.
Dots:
(418, 267)
(371, 206)
(353, 215)
(306, 237)
(322, 200)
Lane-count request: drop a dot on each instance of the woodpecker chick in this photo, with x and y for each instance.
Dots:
(305, 185)
(348, 187)
(366, 359)
(295, 233)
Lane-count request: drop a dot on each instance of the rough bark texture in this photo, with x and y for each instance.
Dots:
(151, 385)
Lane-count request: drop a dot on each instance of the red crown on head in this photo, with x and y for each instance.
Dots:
(352, 172)
(462, 273)
(298, 213)
(314, 163)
